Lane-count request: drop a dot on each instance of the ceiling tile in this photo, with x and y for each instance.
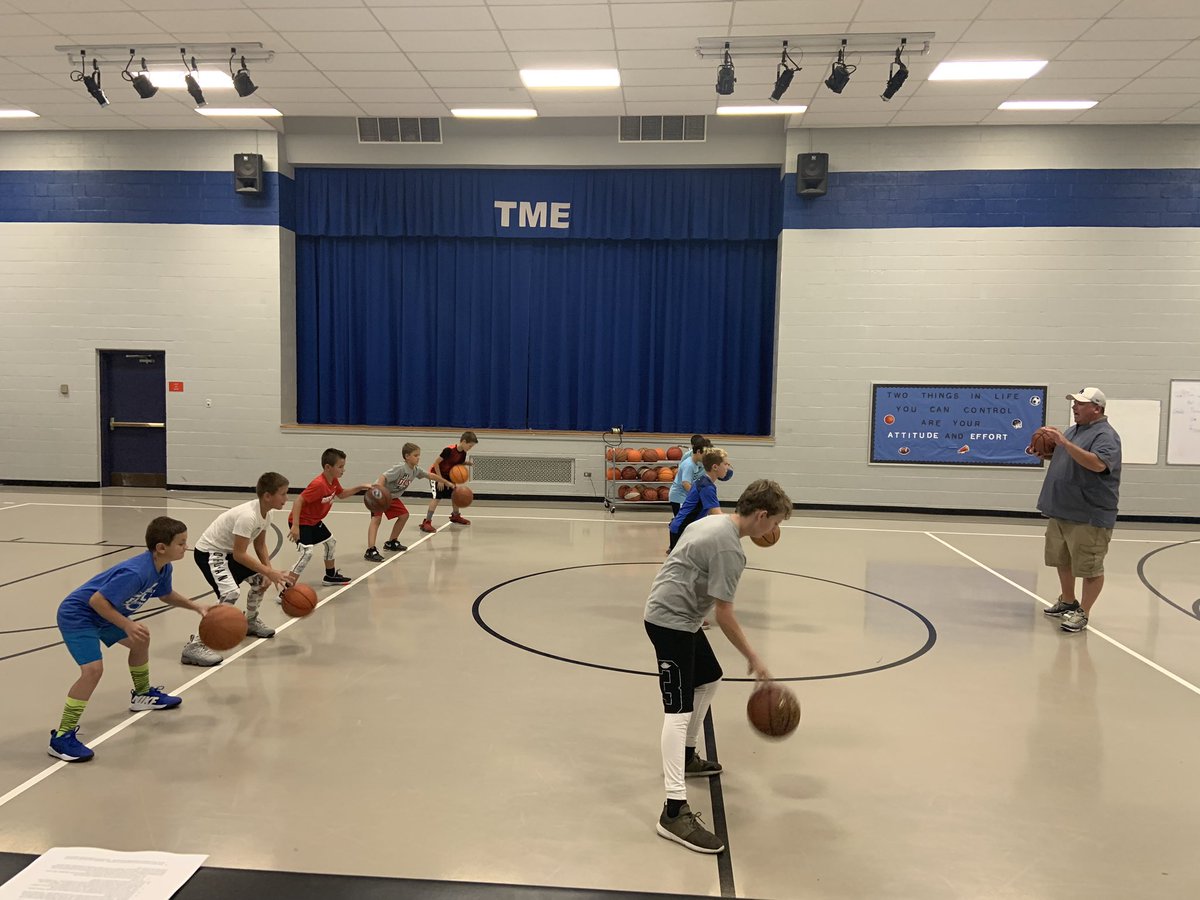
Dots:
(1124, 68)
(472, 78)
(674, 92)
(439, 18)
(611, 108)
(1175, 68)
(1088, 50)
(15, 26)
(1143, 30)
(1040, 9)
(797, 12)
(668, 108)
(554, 41)
(286, 20)
(1068, 88)
(1162, 86)
(881, 10)
(456, 61)
(374, 95)
(340, 41)
(1140, 116)
(590, 15)
(574, 59)
(908, 116)
(1005, 50)
(484, 96)
(1131, 100)
(1046, 30)
(401, 109)
(376, 78)
(1152, 9)
(664, 15)
(461, 42)
(96, 22)
(393, 61)
(186, 22)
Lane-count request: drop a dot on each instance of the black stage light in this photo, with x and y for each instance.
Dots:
(725, 76)
(897, 75)
(839, 73)
(193, 86)
(92, 83)
(784, 74)
(241, 81)
(141, 82)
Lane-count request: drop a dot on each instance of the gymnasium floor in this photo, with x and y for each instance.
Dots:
(481, 710)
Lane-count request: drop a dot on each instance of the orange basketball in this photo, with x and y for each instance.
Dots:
(610, 454)
(1043, 443)
(462, 497)
(299, 600)
(773, 710)
(633, 455)
(674, 453)
(223, 627)
(666, 473)
(459, 474)
(767, 539)
(613, 473)
(650, 455)
(650, 473)
(633, 495)
(623, 491)
(377, 499)
(662, 453)
(629, 473)
(622, 455)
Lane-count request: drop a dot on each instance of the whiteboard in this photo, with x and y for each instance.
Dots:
(1138, 422)
(1183, 424)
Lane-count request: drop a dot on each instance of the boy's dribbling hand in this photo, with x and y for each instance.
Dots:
(755, 667)
(281, 580)
(294, 533)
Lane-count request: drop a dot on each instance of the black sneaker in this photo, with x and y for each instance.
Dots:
(336, 577)
(686, 829)
(394, 546)
(1060, 608)
(372, 555)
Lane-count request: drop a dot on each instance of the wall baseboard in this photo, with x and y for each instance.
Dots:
(37, 482)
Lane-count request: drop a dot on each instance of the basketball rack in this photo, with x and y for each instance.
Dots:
(620, 490)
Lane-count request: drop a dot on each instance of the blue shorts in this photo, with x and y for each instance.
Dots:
(84, 643)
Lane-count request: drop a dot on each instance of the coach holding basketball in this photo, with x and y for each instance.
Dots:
(1079, 497)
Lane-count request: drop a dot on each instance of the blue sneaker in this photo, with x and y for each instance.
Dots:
(153, 699)
(68, 747)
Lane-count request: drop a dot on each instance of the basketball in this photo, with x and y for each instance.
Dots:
(633, 455)
(610, 454)
(1042, 443)
(462, 497)
(377, 499)
(223, 627)
(674, 453)
(459, 474)
(622, 456)
(666, 473)
(767, 539)
(629, 473)
(649, 493)
(773, 710)
(299, 600)
(613, 473)
(650, 474)
(650, 455)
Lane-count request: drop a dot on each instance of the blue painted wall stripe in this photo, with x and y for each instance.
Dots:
(1020, 198)
(203, 198)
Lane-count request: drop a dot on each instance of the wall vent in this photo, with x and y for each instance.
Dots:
(661, 128)
(523, 469)
(399, 131)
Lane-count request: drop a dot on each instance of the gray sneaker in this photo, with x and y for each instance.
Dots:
(256, 627)
(686, 829)
(1075, 620)
(701, 767)
(1060, 608)
(197, 653)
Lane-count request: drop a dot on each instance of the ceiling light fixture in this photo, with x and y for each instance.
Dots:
(784, 73)
(260, 111)
(141, 81)
(839, 73)
(571, 78)
(897, 74)
(1047, 104)
(91, 82)
(987, 70)
(241, 81)
(18, 114)
(193, 86)
(725, 75)
(793, 109)
(494, 113)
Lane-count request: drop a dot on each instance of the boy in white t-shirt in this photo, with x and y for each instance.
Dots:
(224, 557)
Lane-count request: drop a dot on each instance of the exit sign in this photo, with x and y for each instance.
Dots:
(175, 387)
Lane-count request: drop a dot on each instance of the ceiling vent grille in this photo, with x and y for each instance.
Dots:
(399, 131)
(661, 128)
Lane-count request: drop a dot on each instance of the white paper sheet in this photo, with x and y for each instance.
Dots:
(88, 873)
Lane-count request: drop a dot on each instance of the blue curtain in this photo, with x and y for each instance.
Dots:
(566, 333)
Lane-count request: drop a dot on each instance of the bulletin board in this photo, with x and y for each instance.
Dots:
(1183, 424)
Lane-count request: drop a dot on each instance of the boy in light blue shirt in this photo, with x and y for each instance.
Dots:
(687, 472)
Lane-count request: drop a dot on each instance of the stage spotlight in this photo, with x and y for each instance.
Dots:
(725, 76)
(193, 86)
(141, 81)
(839, 73)
(91, 82)
(241, 81)
(784, 73)
(897, 75)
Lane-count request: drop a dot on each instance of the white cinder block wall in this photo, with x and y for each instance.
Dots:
(1117, 307)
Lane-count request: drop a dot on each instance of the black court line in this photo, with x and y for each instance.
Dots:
(67, 566)
(720, 822)
(1194, 612)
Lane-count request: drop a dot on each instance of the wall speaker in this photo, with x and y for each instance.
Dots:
(812, 174)
(248, 173)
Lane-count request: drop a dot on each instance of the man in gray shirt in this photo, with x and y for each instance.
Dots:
(701, 573)
(1079, 497)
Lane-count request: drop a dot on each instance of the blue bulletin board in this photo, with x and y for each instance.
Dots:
(955, 424)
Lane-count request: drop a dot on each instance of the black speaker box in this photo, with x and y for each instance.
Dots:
(248, 173)
(812, 174)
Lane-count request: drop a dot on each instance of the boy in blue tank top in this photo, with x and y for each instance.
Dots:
(99, 612)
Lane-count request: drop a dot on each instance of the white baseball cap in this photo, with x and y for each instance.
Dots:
(1089, 395)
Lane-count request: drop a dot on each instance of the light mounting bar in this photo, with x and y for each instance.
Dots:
(206, 53)
(875, 44)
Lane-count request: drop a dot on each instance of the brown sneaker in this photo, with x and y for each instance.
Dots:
(686, 829)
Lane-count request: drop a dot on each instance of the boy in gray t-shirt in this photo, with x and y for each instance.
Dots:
(397, 480)
(701, 574)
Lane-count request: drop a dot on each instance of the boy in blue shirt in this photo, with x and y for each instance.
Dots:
(689, 468)
(702, 498)
(100, 610)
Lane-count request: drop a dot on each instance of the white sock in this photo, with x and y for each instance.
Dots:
(674, 737)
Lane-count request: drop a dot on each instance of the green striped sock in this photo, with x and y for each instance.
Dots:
(70, 717)
(141, 678)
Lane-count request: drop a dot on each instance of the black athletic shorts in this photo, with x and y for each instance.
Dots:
(685, 660)
(221, 571)
(314, 534)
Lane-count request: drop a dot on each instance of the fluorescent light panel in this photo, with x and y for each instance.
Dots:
(172, 79)
(494, 113)
(571, 78)
(772, 110)
(987, 70)
(238, 111)
(1047, 104)
(18, 114)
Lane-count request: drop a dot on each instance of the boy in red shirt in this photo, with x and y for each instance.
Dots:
(305, 526)
(454, 455)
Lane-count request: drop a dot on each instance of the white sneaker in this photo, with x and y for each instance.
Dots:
(197, 653)
(256, 627)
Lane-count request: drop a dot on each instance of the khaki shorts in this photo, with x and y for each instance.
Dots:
(1080, 546)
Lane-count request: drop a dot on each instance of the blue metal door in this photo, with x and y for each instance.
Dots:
(133, 418)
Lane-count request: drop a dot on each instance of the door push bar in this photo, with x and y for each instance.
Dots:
(113, 424)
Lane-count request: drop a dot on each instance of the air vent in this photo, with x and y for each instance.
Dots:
(399, 131)
(524, 469)
(661, 128)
